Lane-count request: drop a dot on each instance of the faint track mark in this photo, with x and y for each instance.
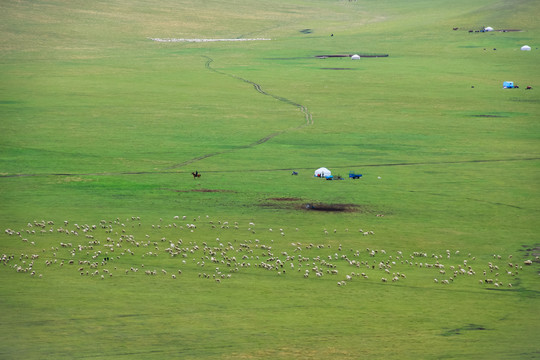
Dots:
(265, 170)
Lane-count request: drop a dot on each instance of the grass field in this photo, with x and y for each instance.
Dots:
(112, 250)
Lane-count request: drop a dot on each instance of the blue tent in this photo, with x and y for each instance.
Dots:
(508, 85)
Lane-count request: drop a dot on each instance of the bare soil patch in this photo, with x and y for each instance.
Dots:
(349, 55)
(291, 203)
(285, 199)
(337, 69)
(531, 251)
(459, 331)
(331, 207)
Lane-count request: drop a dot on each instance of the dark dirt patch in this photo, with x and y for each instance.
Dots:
(488, 116)
(284, 199)
(349, 55)
(458, 331)
(347, 208)
(293, 204)
(289, 58)
(331, 207)
(201, 190)
(526, 100)
(531, 251)
(337, 69)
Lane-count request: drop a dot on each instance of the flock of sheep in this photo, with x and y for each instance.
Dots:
(222, 250)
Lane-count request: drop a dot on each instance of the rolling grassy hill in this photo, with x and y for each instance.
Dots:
(102, 126)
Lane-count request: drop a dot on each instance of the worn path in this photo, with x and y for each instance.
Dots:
(308, 118)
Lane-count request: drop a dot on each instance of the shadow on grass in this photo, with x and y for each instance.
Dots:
(459, 331)
(292, 203)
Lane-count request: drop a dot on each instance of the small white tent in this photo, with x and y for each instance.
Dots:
(355, 57)
(489, 28)
(322, 172)
(526, 48)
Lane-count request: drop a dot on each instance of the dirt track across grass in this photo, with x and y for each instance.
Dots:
(349, 55)
(264, 170)
(308, 118)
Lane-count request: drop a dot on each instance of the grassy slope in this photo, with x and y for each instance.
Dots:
(85, 92)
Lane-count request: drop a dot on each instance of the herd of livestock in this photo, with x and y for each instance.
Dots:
(223, 250)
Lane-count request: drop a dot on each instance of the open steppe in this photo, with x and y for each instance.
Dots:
(111, 249)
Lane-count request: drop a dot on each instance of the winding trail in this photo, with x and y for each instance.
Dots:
(308, 118)
(257, 87)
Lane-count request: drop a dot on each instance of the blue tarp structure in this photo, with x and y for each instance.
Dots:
(508, 85)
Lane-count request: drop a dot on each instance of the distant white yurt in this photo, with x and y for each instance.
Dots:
(322, 172)
(355, 57)
(526, 48)
(489, 28)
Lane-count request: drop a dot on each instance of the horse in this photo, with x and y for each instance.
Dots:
(196, 174)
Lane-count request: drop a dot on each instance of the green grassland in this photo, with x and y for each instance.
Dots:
(101, 127)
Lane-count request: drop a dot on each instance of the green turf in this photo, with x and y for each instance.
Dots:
(101, 125)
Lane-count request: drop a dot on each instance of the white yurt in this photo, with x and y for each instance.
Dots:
(355, 57)
(322, 172)
(525, 48)
(488, 28)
